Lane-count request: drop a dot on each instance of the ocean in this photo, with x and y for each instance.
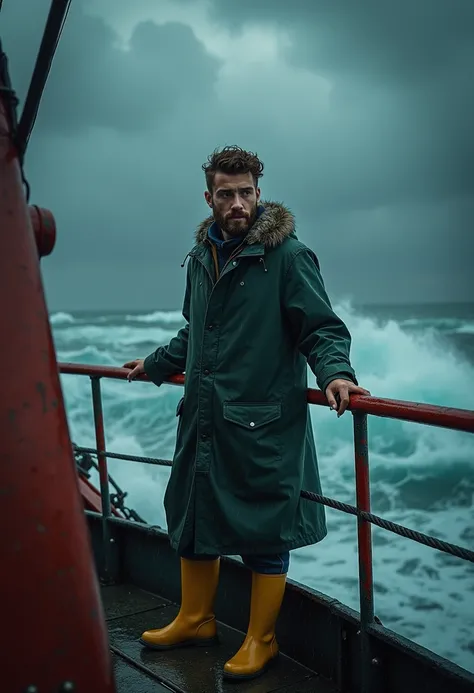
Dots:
(421, 476)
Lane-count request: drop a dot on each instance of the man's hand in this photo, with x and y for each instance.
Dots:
(137, 368)
(342, 388)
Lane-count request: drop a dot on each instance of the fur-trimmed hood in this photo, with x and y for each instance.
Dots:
(270, 229)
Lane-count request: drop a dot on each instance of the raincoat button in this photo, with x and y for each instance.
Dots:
(234, 263)
(242, 283)
(206, 372)
(252, 424)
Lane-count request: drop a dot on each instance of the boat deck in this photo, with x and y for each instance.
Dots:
(129, 611)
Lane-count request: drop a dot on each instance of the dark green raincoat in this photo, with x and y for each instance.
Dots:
(245, 446)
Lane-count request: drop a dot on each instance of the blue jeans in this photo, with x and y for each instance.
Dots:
(268, 564)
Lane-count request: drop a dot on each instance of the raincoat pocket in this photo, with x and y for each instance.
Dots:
(252, 415)
(253, 442)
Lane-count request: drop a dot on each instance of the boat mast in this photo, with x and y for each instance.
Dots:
(53, 635)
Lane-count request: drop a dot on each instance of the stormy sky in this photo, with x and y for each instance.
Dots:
(361, 111)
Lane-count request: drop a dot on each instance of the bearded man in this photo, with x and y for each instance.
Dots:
(256, 314)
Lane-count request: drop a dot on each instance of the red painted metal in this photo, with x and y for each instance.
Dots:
(100, 440)
(109, 372)
(44, 227)
(430, 414)
(103, 474)
(91, 497)
(361, 458)
(364, 543)
(52, 623)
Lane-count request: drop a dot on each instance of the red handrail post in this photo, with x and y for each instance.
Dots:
(364, 538)
(53, 635)
(103, 474)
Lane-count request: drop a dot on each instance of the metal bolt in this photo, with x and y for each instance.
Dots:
(375, 662)
(252, 424)
(112, 541)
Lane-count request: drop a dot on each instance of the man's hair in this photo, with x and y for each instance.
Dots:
(232, 160)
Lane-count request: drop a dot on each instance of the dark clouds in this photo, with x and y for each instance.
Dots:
(403, 69)
(105, 155)
(403, 96)
(94, 81)
(403, 41)
(363, 123)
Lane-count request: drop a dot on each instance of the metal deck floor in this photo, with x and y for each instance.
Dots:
(129, 611)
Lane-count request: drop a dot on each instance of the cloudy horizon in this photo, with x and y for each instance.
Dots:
(361, 113)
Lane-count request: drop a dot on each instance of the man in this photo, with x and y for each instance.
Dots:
(256, 314)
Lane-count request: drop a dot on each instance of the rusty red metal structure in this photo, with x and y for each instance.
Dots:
(50, 598)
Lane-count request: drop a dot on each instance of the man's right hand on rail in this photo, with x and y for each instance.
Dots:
(137, 368)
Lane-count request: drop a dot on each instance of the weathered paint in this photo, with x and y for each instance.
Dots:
(43, 533)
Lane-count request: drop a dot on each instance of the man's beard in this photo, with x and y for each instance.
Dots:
(235, 227)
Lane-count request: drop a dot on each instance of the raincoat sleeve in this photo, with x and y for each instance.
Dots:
(321, 336)
(171, 359)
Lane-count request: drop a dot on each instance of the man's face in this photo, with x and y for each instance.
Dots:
(234, 202)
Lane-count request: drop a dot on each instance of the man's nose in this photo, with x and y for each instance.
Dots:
(237, 203)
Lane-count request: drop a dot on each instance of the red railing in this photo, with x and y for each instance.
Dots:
(430, 414)
(361, 407)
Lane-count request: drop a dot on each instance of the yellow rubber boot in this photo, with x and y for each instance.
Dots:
(260, 647)
(195, 623)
